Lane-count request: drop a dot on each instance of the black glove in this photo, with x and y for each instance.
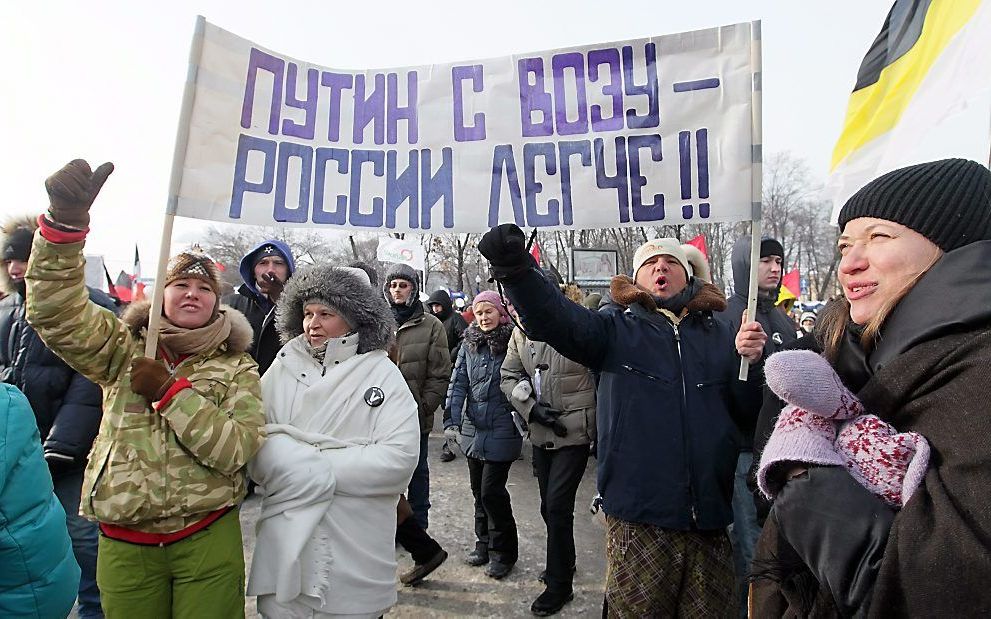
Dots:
(505, 248)
(60, 463)
(71, 192)
(548, 417)
(839, 529)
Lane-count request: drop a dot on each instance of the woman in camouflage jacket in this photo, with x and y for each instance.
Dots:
(166, 471)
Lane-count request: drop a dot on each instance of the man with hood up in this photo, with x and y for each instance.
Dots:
(264, 270)
(424, 358)
(441, 306)
(780, 331)
(67, 406)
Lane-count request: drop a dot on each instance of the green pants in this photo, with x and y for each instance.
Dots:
(200, 576)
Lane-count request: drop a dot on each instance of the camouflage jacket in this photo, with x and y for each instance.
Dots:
(156, 472)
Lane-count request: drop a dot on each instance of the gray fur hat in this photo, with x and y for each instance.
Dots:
(402, 271)
(347, 292)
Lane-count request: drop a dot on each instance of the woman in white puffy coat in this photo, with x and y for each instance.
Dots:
(343, 439)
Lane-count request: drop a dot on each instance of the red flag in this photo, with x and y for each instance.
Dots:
(699, 243)
(535, 251)
(123, 287)
(792, 281)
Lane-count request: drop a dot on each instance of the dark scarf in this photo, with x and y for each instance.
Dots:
(679, 301)
(404, 312)
(497, 339)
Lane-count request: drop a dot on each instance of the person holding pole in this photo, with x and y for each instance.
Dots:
(166, 472)
(781, 332)
(667, 398)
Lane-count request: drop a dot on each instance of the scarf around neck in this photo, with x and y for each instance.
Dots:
(678, 302)
(403, 313)
(497, 339)
(186, 342)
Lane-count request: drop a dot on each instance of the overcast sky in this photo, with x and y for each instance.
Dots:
(103, 80)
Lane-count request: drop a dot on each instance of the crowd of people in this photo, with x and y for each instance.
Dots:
(846, 476)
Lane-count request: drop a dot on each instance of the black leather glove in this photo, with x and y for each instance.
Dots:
(548, 417)
(839, 529)
(505, 248)
(71, 192)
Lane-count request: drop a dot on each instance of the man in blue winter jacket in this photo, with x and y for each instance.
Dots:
(668, 404)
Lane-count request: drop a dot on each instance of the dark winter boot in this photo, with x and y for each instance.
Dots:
(479, 556)
(498, 569)
(551, 602)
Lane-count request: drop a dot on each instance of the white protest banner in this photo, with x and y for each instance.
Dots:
(636, 132)
(405, 251)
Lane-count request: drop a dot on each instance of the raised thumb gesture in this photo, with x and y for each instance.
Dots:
(71, 192)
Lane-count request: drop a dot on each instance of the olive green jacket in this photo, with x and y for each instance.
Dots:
(566, 386)
(425, 361)
(151, 471)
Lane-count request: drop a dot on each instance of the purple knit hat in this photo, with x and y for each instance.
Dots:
(491, 296)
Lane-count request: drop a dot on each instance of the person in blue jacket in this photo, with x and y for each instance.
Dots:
(668, 404)
(264, 270)
(39, 577)
(481, 420)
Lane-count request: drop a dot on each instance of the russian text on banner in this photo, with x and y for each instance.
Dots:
(636, 132)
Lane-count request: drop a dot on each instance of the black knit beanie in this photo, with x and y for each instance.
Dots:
(17, 245)
(771, 247)
(946, 201)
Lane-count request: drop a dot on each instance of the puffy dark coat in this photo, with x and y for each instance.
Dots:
(67, 406)
(667, 398)
(425, 361)
(259, 311)
(477, 403)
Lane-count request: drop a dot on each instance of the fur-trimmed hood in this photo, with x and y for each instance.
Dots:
(9, 226)
(136, 318)
(362, 306)
(626, 293)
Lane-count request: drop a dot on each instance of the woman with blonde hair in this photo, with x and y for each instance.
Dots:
(912, 340)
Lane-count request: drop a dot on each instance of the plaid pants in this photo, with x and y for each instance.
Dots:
(656, 572)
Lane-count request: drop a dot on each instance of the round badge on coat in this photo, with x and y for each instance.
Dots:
(374, 396)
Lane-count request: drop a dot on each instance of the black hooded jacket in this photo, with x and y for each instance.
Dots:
(257, 308)
(779, 328)
(453, 322)
(67, 406)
